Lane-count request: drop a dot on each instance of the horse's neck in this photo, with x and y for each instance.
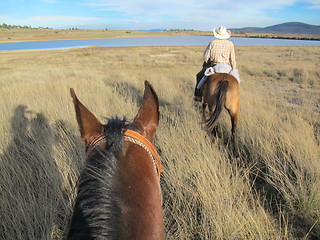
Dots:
(140, 196)
(96, 212)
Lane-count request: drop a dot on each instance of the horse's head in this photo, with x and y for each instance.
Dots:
(121, 176)
(146, 120)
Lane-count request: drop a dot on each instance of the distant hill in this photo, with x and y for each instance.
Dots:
(284, 28)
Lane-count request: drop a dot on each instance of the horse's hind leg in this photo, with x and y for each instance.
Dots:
(214, 131)
(232, 104)
(204, 105)
(234, 123)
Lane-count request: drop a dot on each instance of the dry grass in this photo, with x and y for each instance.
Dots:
(271, 192)
(17, 35)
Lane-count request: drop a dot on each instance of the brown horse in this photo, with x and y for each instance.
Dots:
(119, 195)
(221, 90)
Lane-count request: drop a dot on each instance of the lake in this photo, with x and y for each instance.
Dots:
(150, 41)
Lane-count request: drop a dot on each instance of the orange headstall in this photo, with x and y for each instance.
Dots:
(138, 139)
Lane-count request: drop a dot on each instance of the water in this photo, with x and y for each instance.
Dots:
(150, 41)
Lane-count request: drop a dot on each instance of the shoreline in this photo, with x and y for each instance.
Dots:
(36, 35)
(67, 39)
(99, 48)
(11, 36)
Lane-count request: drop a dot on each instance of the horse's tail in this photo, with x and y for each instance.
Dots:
(219, 99)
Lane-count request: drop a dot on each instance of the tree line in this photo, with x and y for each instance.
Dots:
(8, 26)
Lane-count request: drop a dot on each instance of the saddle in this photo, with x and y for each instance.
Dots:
(219, 68)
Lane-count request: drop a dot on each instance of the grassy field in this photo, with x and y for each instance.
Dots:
(271, 192)
(18, 35)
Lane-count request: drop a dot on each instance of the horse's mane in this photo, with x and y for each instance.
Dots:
(96, 212)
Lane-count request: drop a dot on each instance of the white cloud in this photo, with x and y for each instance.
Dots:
(314, 4)
(194, 10)
(168, 14)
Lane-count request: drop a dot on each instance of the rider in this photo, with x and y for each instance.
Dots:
(219, 50)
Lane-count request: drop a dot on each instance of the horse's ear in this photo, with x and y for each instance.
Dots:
(147, 118)
(89, 125)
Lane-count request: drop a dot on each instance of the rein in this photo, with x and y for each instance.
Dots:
(136, 138)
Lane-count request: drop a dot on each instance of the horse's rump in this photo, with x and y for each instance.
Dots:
(217, 100)
(221, 90)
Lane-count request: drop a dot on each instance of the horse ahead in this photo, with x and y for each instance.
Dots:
(119, 195)
(222, 90)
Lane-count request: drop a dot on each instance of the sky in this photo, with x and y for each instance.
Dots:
(162, 14)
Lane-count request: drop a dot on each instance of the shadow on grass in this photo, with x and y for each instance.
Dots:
(34, 201)
(127, 91)
(133, 95)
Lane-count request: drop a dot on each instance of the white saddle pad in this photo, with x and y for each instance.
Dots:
(221, 68)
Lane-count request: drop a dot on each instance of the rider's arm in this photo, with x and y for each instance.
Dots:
(207, 53)
(233, 62)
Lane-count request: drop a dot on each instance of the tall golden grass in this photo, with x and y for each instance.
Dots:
(42, 34)
(271, 192)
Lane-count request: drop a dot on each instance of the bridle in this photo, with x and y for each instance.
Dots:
(136, 138)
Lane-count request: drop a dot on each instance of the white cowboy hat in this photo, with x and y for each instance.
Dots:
(222, 33)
